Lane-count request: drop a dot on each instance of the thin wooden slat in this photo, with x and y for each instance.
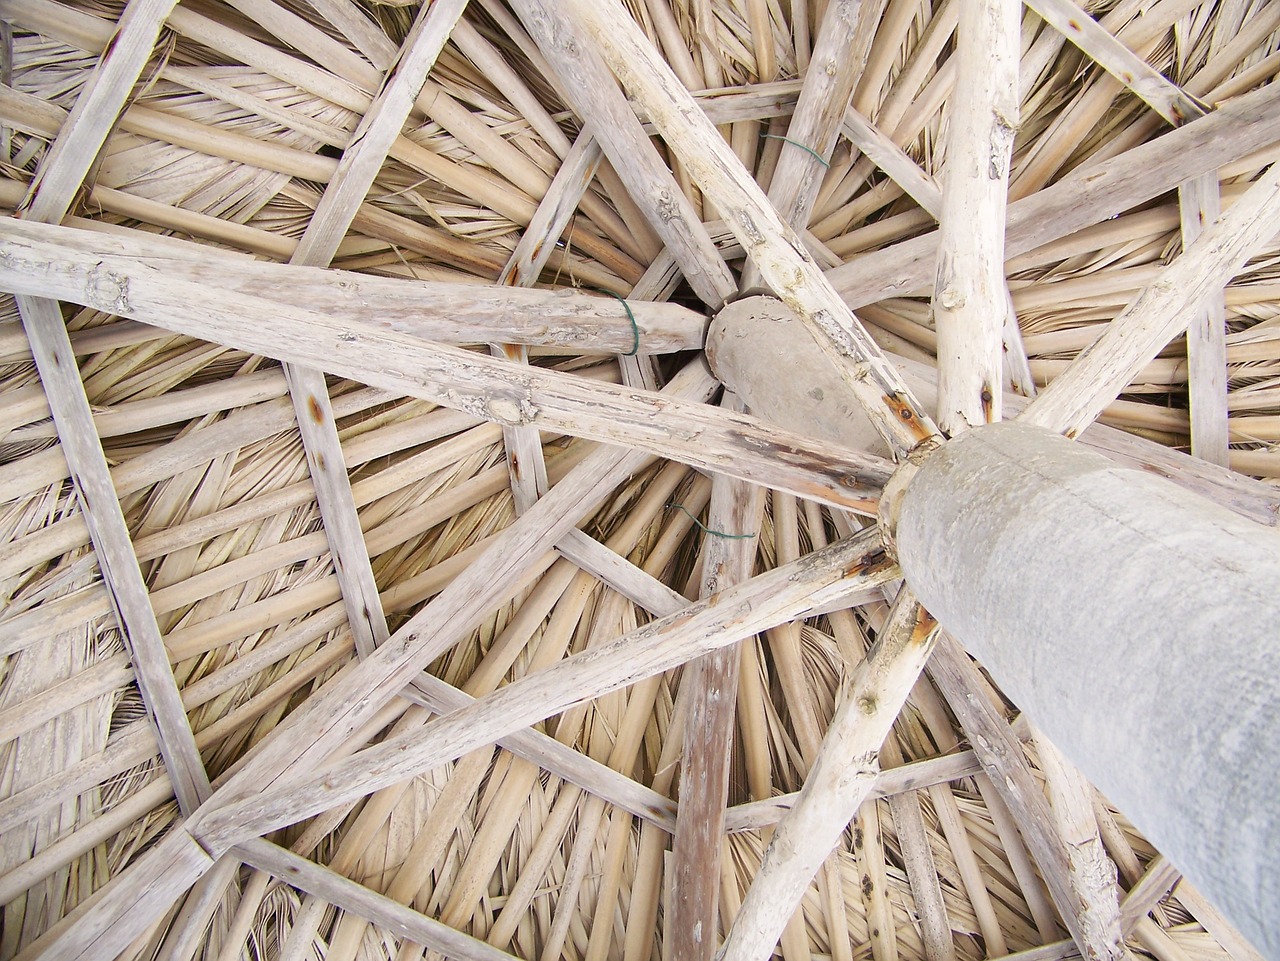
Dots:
(1083, 197)
(96, 109)
(838, 782)
(1199, 204)
(1004, 762)
(880, 149)
(1159, 313)
(561, 760)
(969, 294)
(523, 445)
(782, 594)
(356, 170)
(815, 126)
(709, 691)
(754, 815)
(721, 441)
(1162, 96)
(59, 177)
(390, 915)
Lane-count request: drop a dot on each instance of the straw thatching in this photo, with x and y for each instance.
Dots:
(535, 512)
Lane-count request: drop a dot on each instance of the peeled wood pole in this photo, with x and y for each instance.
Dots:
(1007, 558)
(1134, 623)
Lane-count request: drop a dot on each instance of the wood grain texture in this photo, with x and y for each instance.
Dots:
(970, 298)
(837, 784)
(667, 426)
(1083, 197)
(783, 594)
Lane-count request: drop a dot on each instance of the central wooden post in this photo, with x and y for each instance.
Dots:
(1137, 624)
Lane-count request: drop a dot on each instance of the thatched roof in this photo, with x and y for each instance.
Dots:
(273, 520)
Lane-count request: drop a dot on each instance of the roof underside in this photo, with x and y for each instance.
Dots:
(355, 372)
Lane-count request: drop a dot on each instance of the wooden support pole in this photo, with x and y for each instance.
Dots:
(1184, 688)
(969, 294)
(709, 689)
(837, 784)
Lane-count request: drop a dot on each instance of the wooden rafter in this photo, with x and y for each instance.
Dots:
(60, 177)
(1159, 313)
(1084, 197)
(488, 387)
(709, 692)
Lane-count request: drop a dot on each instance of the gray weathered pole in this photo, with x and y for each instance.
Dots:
(1136, 623)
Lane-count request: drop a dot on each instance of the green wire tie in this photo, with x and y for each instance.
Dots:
(796, 143)
(684, 510)
(635, 328)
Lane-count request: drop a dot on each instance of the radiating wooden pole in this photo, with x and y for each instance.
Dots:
(1134, 623)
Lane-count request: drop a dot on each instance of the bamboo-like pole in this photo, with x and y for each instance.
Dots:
(839, 781)
(969, 293)
(60, 176)
(709, 687)
(1083, 197)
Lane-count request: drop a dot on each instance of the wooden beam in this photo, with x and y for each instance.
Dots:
(1200, 204)
(595, 96)
(708, 688)
(782, 594)
(357, 168)
(970, 297)
(401, 920)
(775, 248)
(1093, 39)
(523, 445)
(733, 444)
(60, 176)
(1086, 196)
(1159, 313)
(837, 784)
(447, 313)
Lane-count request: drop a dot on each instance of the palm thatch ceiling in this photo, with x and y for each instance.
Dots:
(386, 575)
